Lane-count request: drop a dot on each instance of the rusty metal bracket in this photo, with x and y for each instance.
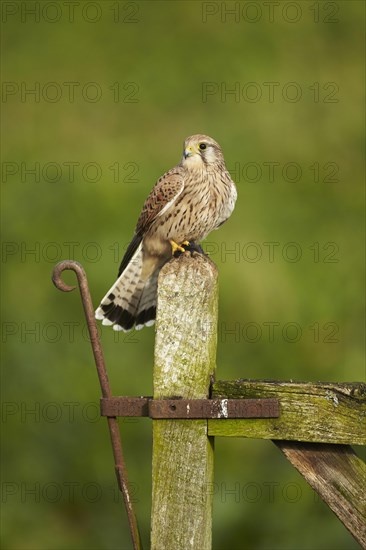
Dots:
(189, 409)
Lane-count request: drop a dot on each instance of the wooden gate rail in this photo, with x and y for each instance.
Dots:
(310, 411)
(323, 420)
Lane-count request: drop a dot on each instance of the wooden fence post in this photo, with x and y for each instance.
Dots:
(185, 359)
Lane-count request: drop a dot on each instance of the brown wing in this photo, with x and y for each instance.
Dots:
(165, 191)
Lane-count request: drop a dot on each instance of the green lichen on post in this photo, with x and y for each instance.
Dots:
(185, 359)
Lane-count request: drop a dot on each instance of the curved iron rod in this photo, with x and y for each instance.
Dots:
(120, 466)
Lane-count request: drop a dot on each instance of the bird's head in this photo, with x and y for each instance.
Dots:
(200, 150)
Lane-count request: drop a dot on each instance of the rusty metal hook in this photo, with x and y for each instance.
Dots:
(120, 466)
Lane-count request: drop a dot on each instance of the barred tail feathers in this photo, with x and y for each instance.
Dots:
(120, 306)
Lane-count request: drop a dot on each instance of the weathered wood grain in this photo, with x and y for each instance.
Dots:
(185, 357)
(338, 475)
(313, 412)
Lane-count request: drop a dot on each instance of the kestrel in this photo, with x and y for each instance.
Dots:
(186, 203)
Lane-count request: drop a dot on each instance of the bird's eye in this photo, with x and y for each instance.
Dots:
(202, 146)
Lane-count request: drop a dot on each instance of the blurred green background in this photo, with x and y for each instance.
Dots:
(118, 86)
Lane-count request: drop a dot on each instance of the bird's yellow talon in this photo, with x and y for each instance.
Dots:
(176, 247)
(186, 243)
